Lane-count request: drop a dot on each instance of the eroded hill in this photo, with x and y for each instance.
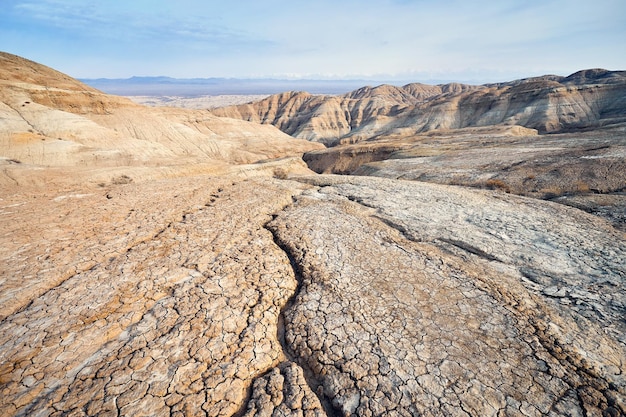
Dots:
(50, 120)
(553, 137)
(549, 104)
(223, 294)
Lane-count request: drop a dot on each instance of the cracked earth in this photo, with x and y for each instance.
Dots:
(321, 296)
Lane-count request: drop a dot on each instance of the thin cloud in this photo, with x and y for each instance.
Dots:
(101, 22)
(195, 38)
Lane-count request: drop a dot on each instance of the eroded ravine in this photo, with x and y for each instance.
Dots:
(314, 385)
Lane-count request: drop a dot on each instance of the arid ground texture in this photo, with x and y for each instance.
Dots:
(447, 250)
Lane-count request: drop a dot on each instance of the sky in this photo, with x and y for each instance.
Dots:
(412, 40)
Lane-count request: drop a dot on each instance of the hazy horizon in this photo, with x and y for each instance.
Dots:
(402, 40)
(197, 87)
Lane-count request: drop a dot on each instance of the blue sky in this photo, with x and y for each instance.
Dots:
(416, 40)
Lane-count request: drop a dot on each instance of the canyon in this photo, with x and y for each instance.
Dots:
(178, 262)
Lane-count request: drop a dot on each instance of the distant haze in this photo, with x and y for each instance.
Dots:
(164, 86)
(417, 40)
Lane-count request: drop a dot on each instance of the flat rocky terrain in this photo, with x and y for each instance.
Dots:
(201, 269)
(199, 102)
(320, 295)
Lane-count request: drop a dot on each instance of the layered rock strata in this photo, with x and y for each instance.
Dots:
(586, 99)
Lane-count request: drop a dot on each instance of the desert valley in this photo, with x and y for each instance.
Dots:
(431, 250)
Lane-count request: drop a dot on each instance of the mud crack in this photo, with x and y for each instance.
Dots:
(314, 383)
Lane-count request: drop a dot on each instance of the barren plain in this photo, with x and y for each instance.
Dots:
(199, 102)
(170, 262)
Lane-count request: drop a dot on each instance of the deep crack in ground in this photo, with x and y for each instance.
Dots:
(312, 380)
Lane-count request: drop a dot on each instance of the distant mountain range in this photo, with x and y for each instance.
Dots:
(188, 87)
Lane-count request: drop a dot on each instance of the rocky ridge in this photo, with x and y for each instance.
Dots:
(549, 104)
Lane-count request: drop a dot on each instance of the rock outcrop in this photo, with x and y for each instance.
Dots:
(549, 104)
(420, 299)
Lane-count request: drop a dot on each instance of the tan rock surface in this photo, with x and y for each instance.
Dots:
(148, 299)
(284, 392)
(470, 304)
(165, 297)
(130, 288)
